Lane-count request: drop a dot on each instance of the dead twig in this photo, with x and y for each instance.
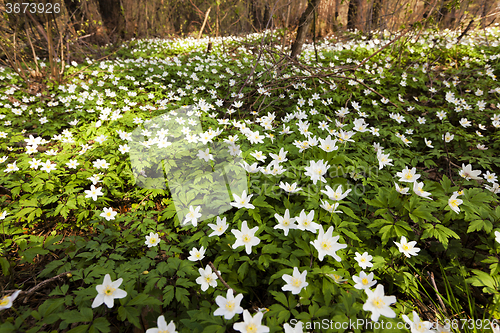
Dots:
(437, 293)
(40, 285)
(220, 277)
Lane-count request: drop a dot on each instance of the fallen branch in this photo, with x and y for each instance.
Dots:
(40, 285)
(220, 277)
(437, 293)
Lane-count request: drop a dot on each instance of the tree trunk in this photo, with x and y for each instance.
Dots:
(112, 17)
(255, 15)
(304, 24)
(267, 17)
(352, 13)
(377, 7)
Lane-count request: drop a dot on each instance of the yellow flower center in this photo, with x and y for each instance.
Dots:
(296, 282)
(109, 291)
(326, 245)
(246, 238)
(364, 281)
(378, 302)
(406, 247)
(252, 328)
(230, 305)
(4, 301)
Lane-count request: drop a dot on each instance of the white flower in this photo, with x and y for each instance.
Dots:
(290, 188)
(417, 326)
(364, 281)
(243, 201)
(328, 144)
(329, 207)
(465, 122)
(205, 155)
(285, 222)
(407, 248)
(383, 160)
(418, 189)
(228, 306)
(490, 177)
(108, 214)
(101, 163)
(454, 202)
(219, 228)
(379, 304)
(193, 216)
(468, 173)
(337, 194)
(6, 301)
(72, 164)
(245, 237)
(108, 291)
(408, 175)
(125, 149)
(152, 240)
(364, 260)
(448, 137)
(259, 156)
(251, 324)
(316, 170)
(497, 236)
(196, 254)
(207, 278)
(441, 115)
(428, 143)
(93, 192)
(295, 282)
(297, 329)
(325, 244)
(162, 326)
(3, 215)
(305, 221)
(48, 166)
(402, 190)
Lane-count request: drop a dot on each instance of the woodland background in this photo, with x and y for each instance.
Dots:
(109, 21)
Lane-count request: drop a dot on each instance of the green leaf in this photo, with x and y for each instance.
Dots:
(101, 324)
(79, 329)
(349, 212)
(482, 279)
(280, 297)
(168, 294)
(181, 296)
(5, 266)
(478, 225)
(243, 270)
(422, 212)
(131, 314)
(260, 201)
(214, 329)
